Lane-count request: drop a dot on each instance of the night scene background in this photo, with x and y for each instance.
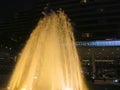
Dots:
(96, 26)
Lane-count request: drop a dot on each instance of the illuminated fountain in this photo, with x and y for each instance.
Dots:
(49, 60)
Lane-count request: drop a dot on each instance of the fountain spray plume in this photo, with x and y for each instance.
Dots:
(49, 60)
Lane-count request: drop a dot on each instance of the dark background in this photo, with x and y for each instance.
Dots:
(92, 20)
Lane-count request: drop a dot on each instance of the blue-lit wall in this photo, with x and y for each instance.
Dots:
(99, 43)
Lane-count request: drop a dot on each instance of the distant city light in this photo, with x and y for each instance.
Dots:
(84, 1)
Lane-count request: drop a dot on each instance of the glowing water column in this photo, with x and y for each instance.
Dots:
(49, 60)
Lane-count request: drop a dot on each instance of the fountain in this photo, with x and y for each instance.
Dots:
(49, 60)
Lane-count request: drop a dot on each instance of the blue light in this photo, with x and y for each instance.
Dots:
(99, 43)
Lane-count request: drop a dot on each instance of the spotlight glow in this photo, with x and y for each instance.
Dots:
(23, 89)
(68, 89)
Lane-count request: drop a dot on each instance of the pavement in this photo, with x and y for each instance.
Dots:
(103, 82)
(103, 85)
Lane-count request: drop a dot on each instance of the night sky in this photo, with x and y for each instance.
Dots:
(8, 7)
(100, 16)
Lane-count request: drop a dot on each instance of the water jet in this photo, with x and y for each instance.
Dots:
(49, 60)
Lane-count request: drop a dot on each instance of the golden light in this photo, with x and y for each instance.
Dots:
(68, 89)
(45, 63)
